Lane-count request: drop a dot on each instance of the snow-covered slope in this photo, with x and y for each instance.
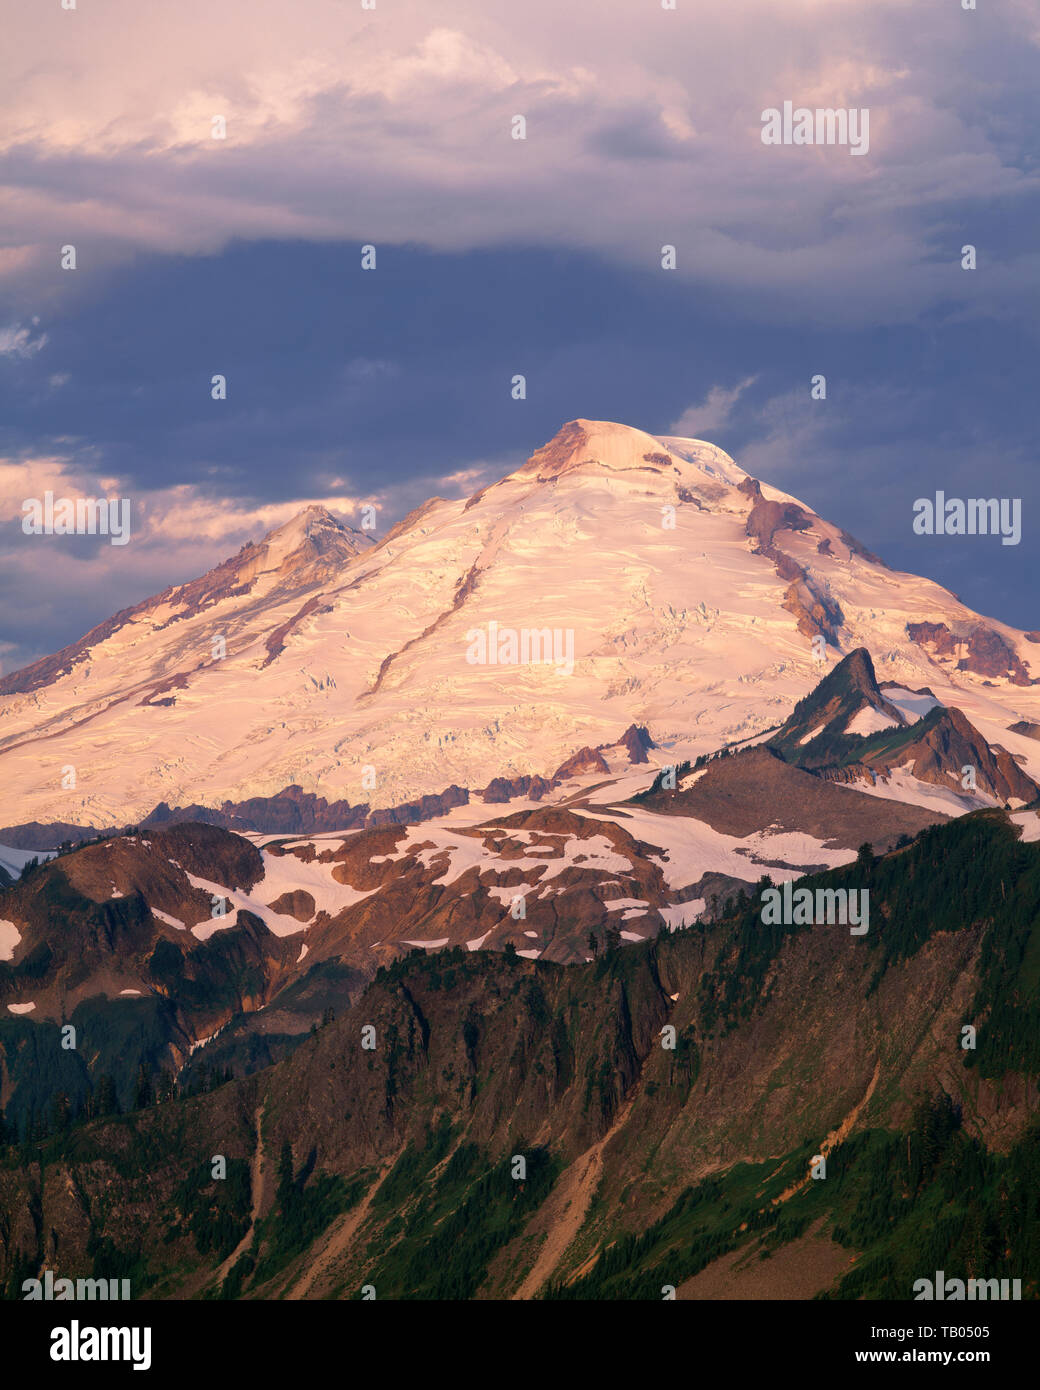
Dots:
(684, 598)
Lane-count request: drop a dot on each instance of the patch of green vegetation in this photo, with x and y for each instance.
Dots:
(704, 1223)
(840, 749)
(456, 1221)
(412, 1167)
(972, 871)
(306, 1204)
(658, 783)
(215, 1210)
(39, 1069)
(1006, 1007)
(933, 1199)
(116, 1037)
(237, 1275)
(108, 1261)
(910, 1204)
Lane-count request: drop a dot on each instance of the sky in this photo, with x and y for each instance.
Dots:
(392, 126)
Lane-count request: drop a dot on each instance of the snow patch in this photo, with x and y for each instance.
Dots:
(694, 849)
(278, 923)
(688, 779)
(869, 721)
(15, 860)
(909, 703)
(9, 939)
(682, 914)
(1030, 823)
(902, 785)
(465, 852)
(165, 917)
(506, 895)
(284, 873)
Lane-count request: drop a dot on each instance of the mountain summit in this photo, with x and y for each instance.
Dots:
(675, 592)
(598, 444)
(308, 548)
(847, 701)
(314, 532)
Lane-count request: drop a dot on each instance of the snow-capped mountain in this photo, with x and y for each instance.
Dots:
(614, 579)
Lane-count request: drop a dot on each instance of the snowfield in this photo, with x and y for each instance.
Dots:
(902, 785)
(352, 659)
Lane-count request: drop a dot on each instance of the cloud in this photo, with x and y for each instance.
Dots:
(18, 341)
(183, 514)
(196, 524)
(6, 649)
(177, 533)
(361, 127)
(699, 421)
(72, 581)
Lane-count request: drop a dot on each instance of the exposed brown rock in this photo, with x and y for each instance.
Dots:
(275, 642)
(817, 614)
(636, 740)
(290, 811)
(425, 808)
(738, 794)
(858, 548)
(36, 834)
(1024, 727)
(988, 654)
(585, 760)
(936, 635)
(559, 454)
(805, 599)
(501, 789)
(953, 743)
(178, 682)
(297, 903)
(766, 518)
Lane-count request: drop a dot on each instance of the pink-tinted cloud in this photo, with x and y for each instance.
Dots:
(393, 125)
